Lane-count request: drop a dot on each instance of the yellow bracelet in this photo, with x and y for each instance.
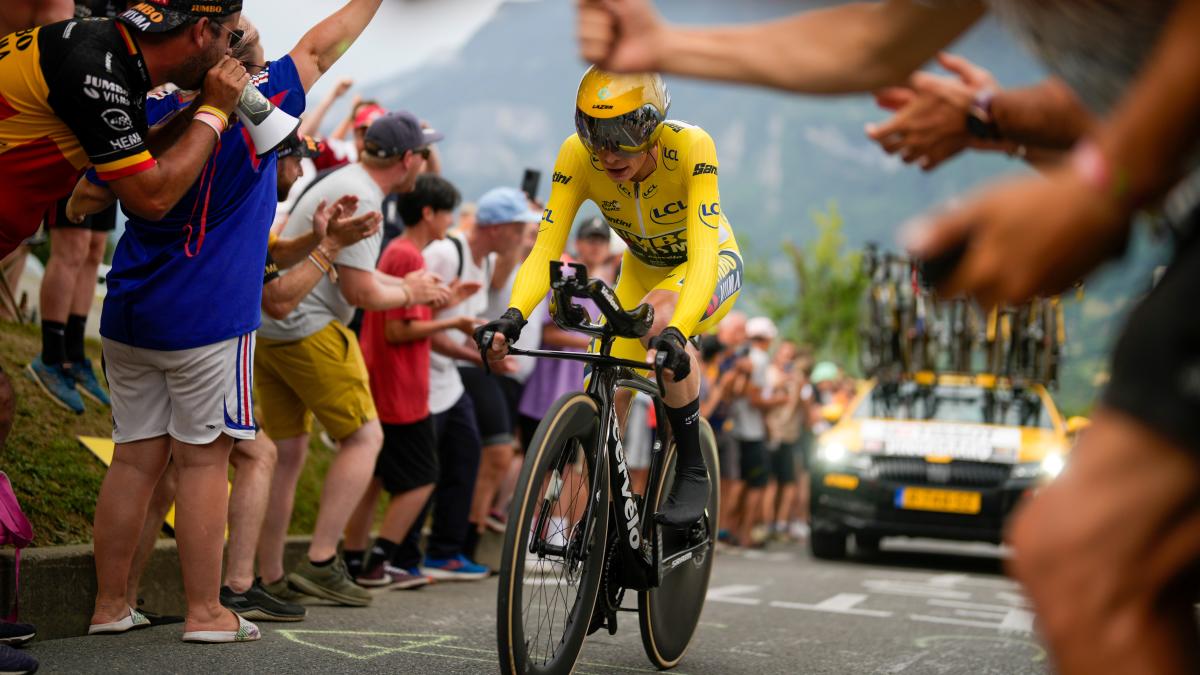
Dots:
(216, 111)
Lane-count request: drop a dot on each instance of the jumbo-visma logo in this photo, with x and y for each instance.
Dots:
(710, 215)
(670, 214)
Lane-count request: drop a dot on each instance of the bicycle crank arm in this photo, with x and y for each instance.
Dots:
(675, 560)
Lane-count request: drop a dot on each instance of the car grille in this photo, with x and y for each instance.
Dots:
(915, 470)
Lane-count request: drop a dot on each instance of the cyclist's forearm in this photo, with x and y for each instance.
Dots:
(1046, 115)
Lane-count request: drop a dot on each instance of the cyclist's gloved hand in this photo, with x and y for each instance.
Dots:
(672, 353)
(509, 325)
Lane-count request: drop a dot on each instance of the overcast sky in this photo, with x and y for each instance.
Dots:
(403, 34)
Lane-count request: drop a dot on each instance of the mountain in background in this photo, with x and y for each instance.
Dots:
(506, 101)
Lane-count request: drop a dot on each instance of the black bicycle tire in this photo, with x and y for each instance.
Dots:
(509, 628)
(646, 599)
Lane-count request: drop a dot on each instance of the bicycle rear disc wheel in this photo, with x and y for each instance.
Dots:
(546, 598)
(668, 615)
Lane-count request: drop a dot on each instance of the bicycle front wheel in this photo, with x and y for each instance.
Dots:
(555, 543)
(668, 615)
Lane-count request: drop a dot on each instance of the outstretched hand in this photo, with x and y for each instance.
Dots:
(1024, 237)
(930, 121)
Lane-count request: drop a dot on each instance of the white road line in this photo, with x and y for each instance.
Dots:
(729, 594)
(842, 603)
(914, 590)
(954, 622)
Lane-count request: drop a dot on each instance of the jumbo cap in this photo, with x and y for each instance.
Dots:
(160, 16)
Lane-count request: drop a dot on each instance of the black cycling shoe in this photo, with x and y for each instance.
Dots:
(688, 499)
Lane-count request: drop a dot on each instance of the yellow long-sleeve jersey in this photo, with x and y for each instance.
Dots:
(671, 218)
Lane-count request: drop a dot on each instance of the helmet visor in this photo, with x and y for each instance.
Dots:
(630, 134)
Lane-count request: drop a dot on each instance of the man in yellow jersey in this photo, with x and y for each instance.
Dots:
(655, 180)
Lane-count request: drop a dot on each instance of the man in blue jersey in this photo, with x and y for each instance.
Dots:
(183, 302)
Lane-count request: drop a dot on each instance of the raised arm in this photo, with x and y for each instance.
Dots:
(322, 46)
(533, 279)
(848, 48)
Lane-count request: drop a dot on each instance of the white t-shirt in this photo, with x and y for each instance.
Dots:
(531, 334)
(748, 422)
(442, 258)
(325, 303)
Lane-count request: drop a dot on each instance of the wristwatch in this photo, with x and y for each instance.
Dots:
(980, 122)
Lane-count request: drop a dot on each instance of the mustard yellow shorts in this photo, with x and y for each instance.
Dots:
(639, 279)
(322, 374)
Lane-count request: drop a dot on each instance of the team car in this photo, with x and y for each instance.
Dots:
(949, 458)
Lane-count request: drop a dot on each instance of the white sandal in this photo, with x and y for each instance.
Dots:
(246, 632)
(135, 620)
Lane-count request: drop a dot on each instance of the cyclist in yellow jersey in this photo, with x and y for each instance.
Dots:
(655, 181)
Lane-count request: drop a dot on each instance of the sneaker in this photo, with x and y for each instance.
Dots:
(259, 605)
(87, 384)
(374, 576)
(16, 634)
(282, 590)
(331, 582)
(16, 662)
(406, 580)
(416, 572)
(58, 383)
(458, 568)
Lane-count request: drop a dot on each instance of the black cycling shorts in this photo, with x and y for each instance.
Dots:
(491, 405)
(756, 467)
(783, 463)
(105, 221)
(408, 459)
(1156, 365)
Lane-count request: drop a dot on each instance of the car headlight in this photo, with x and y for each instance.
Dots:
(1053, 464)
(1050, 467)
(832, 453)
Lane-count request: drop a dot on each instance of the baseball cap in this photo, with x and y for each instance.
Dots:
(505, 205)
(824, 372)
(367, 115)
(594, 227)
(160, 16)
(761, 328)
(396, 133)
(299, 145)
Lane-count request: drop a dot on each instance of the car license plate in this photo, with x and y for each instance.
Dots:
(942, 501)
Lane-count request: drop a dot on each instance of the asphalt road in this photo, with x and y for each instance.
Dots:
(919, 607)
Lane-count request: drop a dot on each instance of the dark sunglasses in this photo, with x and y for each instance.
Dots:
(423, 152)
(235, 36)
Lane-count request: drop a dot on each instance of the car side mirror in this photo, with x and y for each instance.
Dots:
(832, 413)
(1077, 424)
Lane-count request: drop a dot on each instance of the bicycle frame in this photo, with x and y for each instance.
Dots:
(610, 374)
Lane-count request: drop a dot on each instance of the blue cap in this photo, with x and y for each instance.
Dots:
(504, 205)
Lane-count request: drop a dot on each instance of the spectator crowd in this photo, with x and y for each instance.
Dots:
(376, 274)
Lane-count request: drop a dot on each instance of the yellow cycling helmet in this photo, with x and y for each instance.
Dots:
(621, 113)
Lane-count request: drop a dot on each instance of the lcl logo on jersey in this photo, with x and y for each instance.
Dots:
(710, 215)
(670, 155)
(670, 214)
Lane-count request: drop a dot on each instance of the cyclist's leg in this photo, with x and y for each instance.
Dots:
(689, 494)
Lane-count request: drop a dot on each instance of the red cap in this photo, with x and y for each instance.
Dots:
(367, 115)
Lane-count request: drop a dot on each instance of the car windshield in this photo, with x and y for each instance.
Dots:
(964, 405)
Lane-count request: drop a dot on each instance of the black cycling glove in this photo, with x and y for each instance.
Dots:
(509, 325)
(672, 353)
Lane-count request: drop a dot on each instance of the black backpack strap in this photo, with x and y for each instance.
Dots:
(458, 246)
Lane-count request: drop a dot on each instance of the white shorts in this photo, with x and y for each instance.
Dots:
(191, 395)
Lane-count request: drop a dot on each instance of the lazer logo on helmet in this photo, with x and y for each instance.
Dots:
(602, 106)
